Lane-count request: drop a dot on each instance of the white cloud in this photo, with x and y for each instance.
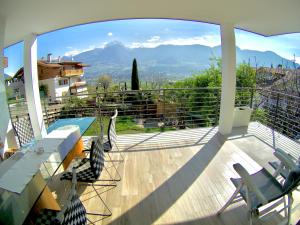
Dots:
(78, 51)
(208, 40)
(154, 39)
(110, 34)
(72, 52)
(297, 59)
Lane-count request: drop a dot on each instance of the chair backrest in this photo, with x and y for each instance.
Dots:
(292, 181)
(74, 213)
(23, 130)
(112, 133)
(97, 158)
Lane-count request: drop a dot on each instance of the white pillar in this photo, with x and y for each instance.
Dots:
(4, 118)
(32, 86)
(228, 78)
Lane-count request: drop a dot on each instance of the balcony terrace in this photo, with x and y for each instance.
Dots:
(182, 177)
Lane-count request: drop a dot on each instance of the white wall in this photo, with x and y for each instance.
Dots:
(74, 79)
(5, 124)
(51, 88)
(60, 89)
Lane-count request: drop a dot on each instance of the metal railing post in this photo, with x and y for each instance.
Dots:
(251, 99)
(164, 104)
(276, 111)
(45, 108)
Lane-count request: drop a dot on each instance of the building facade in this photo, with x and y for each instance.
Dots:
(57, 79)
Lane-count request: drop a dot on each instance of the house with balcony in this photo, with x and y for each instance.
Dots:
(60, 78)
(174, 177)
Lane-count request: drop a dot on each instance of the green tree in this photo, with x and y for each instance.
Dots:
(204, 103)
(245, 76)
(104, 81)
(135, 84)
(44, 90)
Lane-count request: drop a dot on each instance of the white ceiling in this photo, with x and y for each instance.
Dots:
(266, 17)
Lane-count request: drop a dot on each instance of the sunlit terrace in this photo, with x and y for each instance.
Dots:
(177, 166)
(182, 177)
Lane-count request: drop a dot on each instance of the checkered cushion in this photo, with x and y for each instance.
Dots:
(47, 217)
(85, 161)
(91, 173)
(86, 175)
(82, 162)
(75, 213)
(97, 158)
(23, 130)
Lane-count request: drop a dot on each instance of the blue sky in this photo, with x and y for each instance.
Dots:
(147, 33)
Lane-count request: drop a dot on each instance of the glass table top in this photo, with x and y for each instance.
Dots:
(84, 123)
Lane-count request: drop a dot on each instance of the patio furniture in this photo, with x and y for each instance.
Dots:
(34, 171)
(111, 133)
(88, 176)
(83, 123)
(281, 168)
(23, 130)
(108, 145)
(112, 136)
(262, 188)
(73, 212)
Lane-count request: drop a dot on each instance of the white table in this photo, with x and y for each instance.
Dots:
(24, 176)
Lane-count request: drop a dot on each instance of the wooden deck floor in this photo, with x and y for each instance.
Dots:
(182, 177)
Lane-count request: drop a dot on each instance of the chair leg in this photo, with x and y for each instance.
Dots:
(290, 203)
(105, 205)
(231, 199)
(113, 164)
(285, 207)
(121, 153)
(250, 218)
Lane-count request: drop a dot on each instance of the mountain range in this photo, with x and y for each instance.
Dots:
(165, 61)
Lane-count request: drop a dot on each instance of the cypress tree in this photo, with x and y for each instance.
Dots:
(135, 84)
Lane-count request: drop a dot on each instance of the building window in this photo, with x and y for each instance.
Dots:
(63, 82)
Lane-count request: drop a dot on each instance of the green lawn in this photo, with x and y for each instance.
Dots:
(125, 125)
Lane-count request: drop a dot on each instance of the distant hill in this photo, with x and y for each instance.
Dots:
(6, 76)
(167, 61)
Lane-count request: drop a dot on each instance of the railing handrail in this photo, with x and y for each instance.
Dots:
(165, 89)
(279, 92)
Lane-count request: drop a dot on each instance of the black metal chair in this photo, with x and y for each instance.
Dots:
(23, 130)
(112, 136)
(108, 145)
(262, 188)
(74, 213)
(89, 173)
